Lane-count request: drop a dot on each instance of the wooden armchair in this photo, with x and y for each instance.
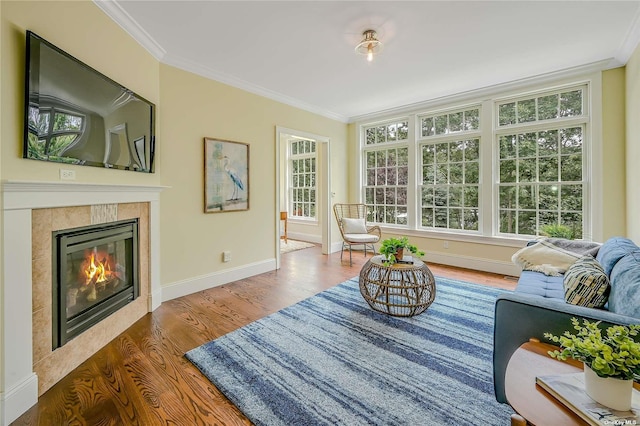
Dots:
(352, 221)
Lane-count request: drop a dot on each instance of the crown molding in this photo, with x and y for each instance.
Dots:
(630, 42)
(114, 11)
(206, 72)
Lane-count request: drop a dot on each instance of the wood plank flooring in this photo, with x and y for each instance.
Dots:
(142, 377)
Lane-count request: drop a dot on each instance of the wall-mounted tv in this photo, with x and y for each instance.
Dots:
(76, 115)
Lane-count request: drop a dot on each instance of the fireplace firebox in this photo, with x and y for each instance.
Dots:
(95, 273)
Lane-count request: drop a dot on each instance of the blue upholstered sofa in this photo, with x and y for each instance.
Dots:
(538, 305)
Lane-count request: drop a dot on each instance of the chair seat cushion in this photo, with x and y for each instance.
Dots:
(361, 238)
(354, 225)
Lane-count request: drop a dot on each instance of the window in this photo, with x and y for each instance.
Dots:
(541, 178)
(502, 167)
(449, 187)
(386, 171)
(302, 183)
(52, 131)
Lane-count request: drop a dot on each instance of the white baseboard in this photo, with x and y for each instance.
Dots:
(203, 282)
(301, 236)
(16, 401)
(356, 248)
(477, 263)
(335, 247)
(155, 299)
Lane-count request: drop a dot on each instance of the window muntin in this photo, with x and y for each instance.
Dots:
(383, 133)
(386, 179)
(548, 106)
(452, 122)
(386, 171)
(302, 183)
(450, 188)
(541, 180)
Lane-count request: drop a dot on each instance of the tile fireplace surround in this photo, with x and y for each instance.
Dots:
(73, 202)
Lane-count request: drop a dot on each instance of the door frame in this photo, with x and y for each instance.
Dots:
(323, 142)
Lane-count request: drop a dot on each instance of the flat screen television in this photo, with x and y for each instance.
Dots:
(76, 115)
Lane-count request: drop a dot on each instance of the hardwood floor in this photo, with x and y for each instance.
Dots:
(142, 377)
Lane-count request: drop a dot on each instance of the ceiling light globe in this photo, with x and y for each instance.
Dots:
(369, 46)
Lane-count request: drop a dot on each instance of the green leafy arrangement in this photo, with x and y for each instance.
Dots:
(615, 354)
(391, 245)
(557, 231)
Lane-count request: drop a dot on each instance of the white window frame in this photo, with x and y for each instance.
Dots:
(295, 157)
(397, 144)
(536, 126)
(448, 137)
(487, 98)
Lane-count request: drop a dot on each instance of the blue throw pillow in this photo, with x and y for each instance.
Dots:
(612, 251)
(586, 284)
(625, 286)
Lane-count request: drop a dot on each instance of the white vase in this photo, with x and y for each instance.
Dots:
(610, 392)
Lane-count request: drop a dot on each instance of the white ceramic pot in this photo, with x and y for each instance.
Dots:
(610, 392)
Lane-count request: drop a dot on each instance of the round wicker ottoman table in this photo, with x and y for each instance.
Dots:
(400, 289)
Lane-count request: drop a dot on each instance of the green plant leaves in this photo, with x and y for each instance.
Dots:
(390, 246)
(615, 354)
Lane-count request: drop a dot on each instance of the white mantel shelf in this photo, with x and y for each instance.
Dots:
(34, 194)
(19, 390)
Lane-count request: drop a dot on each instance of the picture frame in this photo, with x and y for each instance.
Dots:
(226, 175)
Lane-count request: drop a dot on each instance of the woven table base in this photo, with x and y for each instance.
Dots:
(402, 290)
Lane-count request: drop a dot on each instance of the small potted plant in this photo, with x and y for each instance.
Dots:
(611, 359)
(393, 249)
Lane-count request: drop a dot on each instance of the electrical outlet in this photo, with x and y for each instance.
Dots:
(66, 174)
(445, 244)
(226, 256)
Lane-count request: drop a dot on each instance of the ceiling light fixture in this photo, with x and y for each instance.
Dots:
(369, 45)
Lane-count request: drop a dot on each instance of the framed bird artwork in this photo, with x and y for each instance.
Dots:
(226, 176)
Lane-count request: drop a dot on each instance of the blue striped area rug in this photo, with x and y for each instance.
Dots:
(331, 360)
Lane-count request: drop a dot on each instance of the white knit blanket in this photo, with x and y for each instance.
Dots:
(544, 257)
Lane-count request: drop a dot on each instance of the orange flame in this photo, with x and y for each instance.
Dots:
(96, 271)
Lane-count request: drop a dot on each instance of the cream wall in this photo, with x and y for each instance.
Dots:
(194, 107)
(633, 145)
(613, 153)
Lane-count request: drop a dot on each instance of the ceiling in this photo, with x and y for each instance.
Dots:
(302, 52)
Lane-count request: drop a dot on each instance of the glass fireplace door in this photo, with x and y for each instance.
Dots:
(95, 274)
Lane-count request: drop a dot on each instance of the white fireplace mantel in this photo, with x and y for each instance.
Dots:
(19, 383)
